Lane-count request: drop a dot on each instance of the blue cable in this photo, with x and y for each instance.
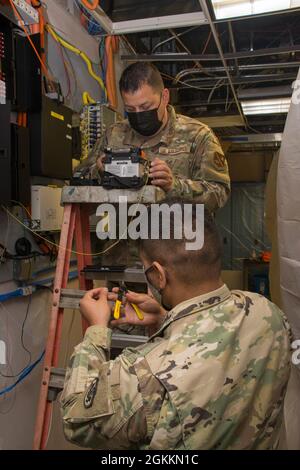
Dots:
(23, 375)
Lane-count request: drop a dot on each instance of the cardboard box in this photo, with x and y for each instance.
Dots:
(233, 279)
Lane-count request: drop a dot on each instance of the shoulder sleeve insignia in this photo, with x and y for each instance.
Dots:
(90, 394)
(219, 160)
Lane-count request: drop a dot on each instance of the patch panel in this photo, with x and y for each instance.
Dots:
(2, 74)
(28, 13)
(91, 127)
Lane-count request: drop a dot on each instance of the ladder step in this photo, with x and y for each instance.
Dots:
(121, 341)
(56, 382)
(70, 298)
(128, 275)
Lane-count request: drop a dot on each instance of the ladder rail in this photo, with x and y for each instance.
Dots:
(44, 411)
(77, 201)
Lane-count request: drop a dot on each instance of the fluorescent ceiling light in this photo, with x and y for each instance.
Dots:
(236, 8)
(269, 106)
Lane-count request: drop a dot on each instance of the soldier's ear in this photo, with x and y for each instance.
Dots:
(160, 275)
(166, 96)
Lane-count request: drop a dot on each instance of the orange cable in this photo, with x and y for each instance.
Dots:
(89, 5)
(111, 47)
(39, 28)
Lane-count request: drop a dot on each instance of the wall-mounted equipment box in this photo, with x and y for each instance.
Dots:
(46, 211)
(51, 140)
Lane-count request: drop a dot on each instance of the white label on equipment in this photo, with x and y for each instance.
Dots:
(2, 352)
(123, 169)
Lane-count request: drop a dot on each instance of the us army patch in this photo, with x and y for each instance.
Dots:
(219, 160)
(90, 394)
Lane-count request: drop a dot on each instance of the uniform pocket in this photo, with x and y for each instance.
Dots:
(94, 403)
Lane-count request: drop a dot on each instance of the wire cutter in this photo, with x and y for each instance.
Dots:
(118, 304)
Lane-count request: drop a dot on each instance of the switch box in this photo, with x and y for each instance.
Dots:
(46, 211)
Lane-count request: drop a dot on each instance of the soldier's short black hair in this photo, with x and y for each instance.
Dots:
(138, 74)
(189, 266)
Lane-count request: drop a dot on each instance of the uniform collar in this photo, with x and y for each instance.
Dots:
(196, 304)
(164, 136)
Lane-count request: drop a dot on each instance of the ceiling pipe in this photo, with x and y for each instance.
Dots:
(172, 38)
(177, 38)
(277, 65)
(240, 79)
(212, 57)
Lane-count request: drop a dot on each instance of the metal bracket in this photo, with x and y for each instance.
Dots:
(56, 383)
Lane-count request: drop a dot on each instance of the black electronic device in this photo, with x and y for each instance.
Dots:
(82, 177)
(20, 71)
(124, 168)
(7, 82)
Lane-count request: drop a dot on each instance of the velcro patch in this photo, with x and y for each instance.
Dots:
(90, 394)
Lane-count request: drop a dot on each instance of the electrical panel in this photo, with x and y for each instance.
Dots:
(51, 140)
(7, 88)
(94, 120)
(20, 164)
(28, 83)
(5, 154)
(20, 73)
(14, 159)
(46, 211)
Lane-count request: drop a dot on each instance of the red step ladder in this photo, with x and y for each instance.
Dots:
(75, 225)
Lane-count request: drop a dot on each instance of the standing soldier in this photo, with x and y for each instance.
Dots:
(187, 159)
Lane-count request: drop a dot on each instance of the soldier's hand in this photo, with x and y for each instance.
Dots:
(153, 313)
(95, 308)
(99, 162)
(161, 175)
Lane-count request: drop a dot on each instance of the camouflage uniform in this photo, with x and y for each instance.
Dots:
(191, 150)
(213, 377)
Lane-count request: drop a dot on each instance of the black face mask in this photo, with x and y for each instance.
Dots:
(157, 293)
(145, 122)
